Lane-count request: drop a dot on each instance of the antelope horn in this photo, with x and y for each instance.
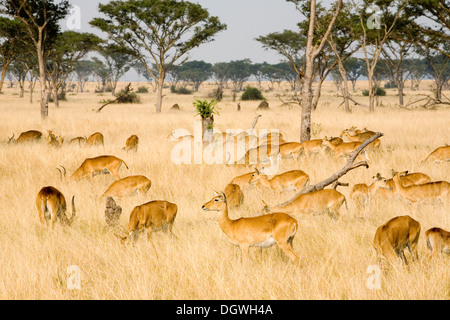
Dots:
(73, 211)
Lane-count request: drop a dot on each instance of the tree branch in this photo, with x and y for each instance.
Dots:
(127, 90)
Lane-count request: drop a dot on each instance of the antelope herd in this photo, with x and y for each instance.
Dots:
(274, 224)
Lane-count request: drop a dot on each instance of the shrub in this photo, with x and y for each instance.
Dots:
(181, 90)
(251, 93)
(130, 97)
(390, 85)
(378, 92)
(142, 90)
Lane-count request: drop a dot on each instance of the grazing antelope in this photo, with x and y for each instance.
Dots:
(95, 139)
(54, 141)
(317, 202)
(79, 140)
(361, 193)
(51, 205)
(423, 193)
(234, 195)
(290, 180)
(438, 240)
(262, 231)
(344, 149)
(440, 154)
(26, 137)
(151, 217)
(98, 165)
(393, 237)
(131, 143)
(243, 181)
(128, 186)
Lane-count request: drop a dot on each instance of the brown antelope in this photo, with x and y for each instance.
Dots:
(95, 139)
(423, 193)
(260, 154)
(407, 179)
(290, 150)
(26, 137)
(128, 186)
(51, 205)
(243, 181)
(440, 154)
(317, 202)
(361, 137)
(98, 165)
(334, 140)
(234, 195)
(438, 240)
(290, 180)
(361, 193)
(393, 237)
(131, 143)
(311, 147)
(54, 141)
(272, 138)
(344, 149)
(78, 140)
(353, 130)
(151, 217)
(262, 231)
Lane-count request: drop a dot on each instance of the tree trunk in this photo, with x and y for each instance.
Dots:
(44, 95)
(400, 93)
(159, 95)
(2, 78)
(207, 126)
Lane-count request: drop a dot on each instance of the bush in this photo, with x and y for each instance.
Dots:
(130, 97)
(206, 108)
(390, 85)
(378, 92)
(142, 90)
(181, 90)
(251, 93)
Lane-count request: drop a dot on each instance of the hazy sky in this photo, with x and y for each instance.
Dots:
(245, 20)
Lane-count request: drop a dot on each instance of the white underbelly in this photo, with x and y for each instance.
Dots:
(265, 244)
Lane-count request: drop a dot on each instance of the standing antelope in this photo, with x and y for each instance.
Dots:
(27, 136)
(51, 201)
(422, 193)
(361, 194)
(234, 195)
(290, 180)
(262, 231)
(98, 165)
(243, 181)
(310, 147)
(407, 179)
(128, 186)
(393, 237)
(438, 240)
(151, 217)
(95, 139)
(317, 202)
(439, 155)
(290, 150)
(361, 137)
(131, 143)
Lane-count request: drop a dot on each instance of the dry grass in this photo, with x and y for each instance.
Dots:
(202, 264)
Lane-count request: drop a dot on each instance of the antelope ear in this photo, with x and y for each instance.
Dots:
(256, 170)
(264, 203)
(215, 193)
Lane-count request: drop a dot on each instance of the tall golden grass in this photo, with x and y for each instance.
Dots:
(202, 263)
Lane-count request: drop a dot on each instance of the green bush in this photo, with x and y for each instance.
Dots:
(390, 85)
(181, 90)
(142, 90)
(378, 92)
(130, 97)
(251, 93)
(206, 108)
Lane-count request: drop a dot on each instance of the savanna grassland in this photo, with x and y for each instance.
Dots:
(202, 263)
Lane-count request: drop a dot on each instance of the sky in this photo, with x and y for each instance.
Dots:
(245, 20)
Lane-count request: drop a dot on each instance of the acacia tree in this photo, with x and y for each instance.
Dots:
(40, 19)
(161, 31)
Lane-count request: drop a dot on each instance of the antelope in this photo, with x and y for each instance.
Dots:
(98, 165)
(393, 237)
(311, 147)
(426, 192)
(407, 179)
(53, 140)
(234, 195)
(440, 154)
(361, 137)
(131, 143)
(353, 130)
(272, 138)
(334, 140)
(51, 205)
(128, 186)
(317, 202)
(289, 180)
(79, 140)
(361, 193)
(344, 149)
(95, 139)
(258, 155)
(290, 150)
(27, 136)
(151, 217)
(243, 181)
(179, 138)
(262, 231)
(438, 240)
